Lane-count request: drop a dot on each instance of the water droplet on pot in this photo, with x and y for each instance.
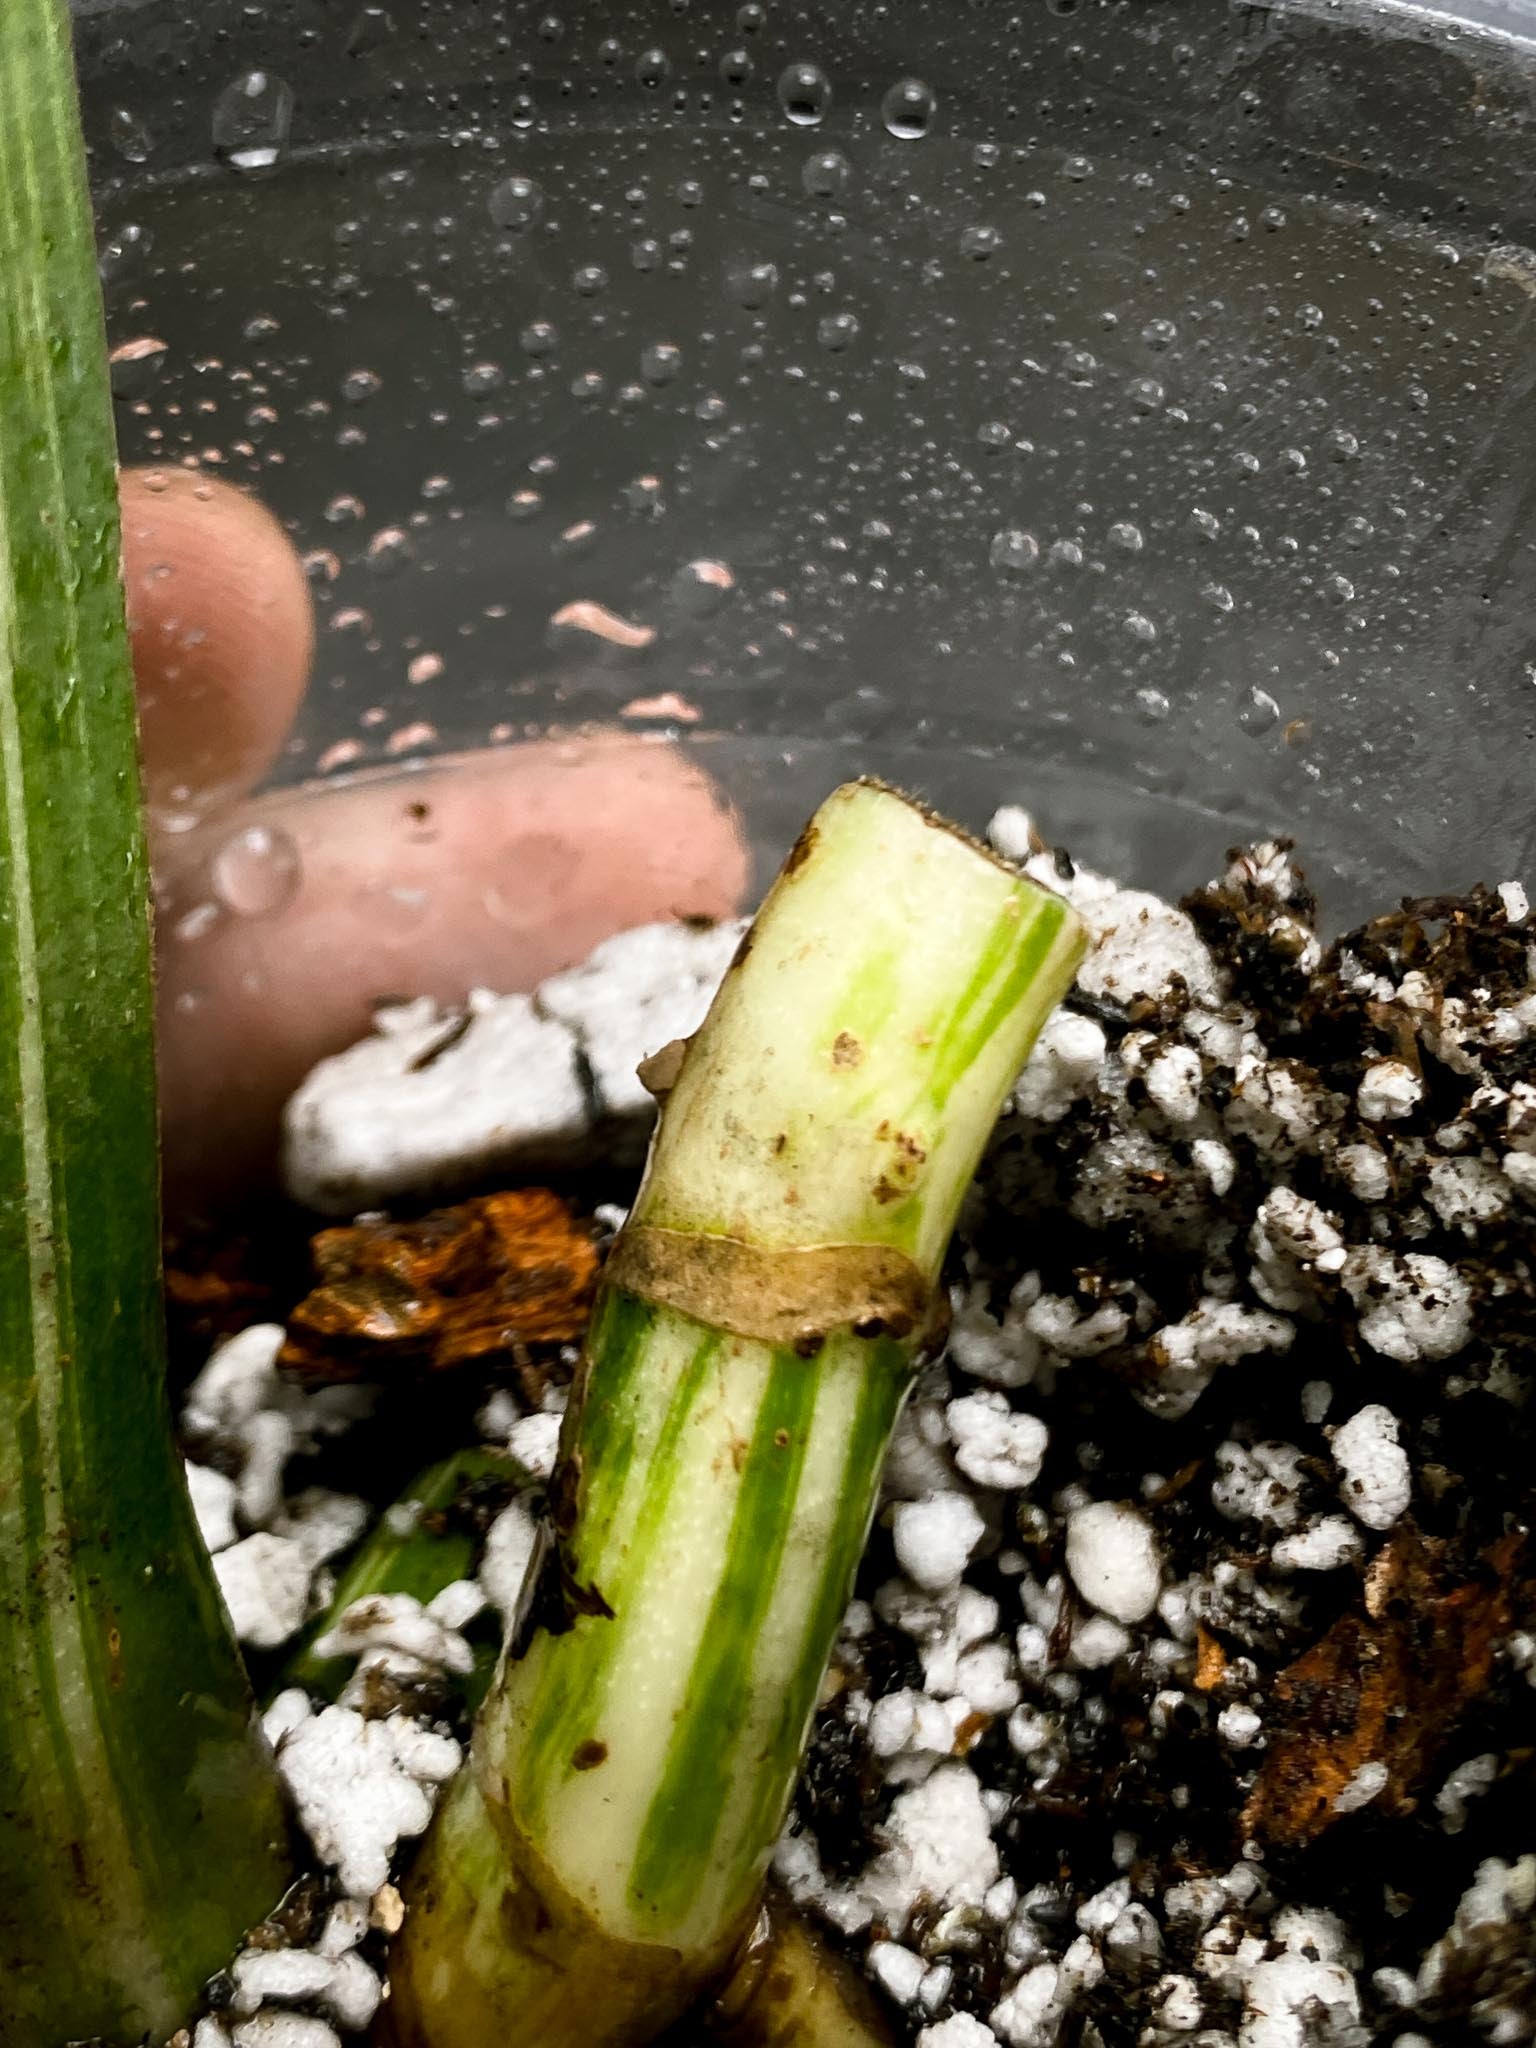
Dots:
(196, 923)
(702, 587)
(251, 121)
(516, 203)
(257, 872)
(1127, 537)
(980, 242)
(825, 174)
(390, 550)
(1140, 627)
(123, 250)
(1152, 706)
(660, 362)
(130, 138)
(136, 366)
(482, 378)
(538, 337)
(360, 385)
(908, 109)
(1013, 550)
(837, 331)
(652, 69)
(753, 284)
(805, 93)
(643, 494)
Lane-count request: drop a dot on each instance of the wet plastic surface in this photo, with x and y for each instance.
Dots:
(1122, 409)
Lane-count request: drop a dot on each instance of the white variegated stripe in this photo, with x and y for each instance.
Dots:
(588, 1822)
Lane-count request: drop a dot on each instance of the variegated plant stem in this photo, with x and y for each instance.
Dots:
(787, 1988)
(602, 1858)
(140, 1827)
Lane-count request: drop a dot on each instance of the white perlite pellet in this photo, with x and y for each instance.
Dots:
(1028, 2017)
(1062, 1067)
(1362, 1788)
(288, 1975)
(995, 1446)
(1299, 2001)
(941, 1852)
(265, 1581)
(1012, 832)
(213, 1503)
(1375, 1481)
(415, 1110)
(504, 1565)
(1138, 943)
(432, 1101)
(1173, 1084)
(1239, 1726)
(1114, 1560)
(1214, 1333)
(239, 1380)
(395, 1633)
(285, 2030)
(934, 1538)
(1388, 1090)
(960, 2030)
(633, 995)
(897, 1970)
(1323, 1546)
(1411, 1307)
(359, 1787)
(534, 1440)
(1468, 1781)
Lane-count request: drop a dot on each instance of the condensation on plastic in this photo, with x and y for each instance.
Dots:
(1121, 409)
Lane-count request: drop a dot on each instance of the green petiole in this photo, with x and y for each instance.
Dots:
(419, 1553)
(140, 1827)
(599, 1863)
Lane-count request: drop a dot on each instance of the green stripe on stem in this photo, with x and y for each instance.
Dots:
(140, 1829)
(631, 1771)
(681, 1830)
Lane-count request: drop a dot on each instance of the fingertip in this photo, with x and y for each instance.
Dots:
(491, 870)
(221, 626)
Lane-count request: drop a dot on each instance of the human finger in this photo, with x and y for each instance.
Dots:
(222, 631)
(284, 924)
